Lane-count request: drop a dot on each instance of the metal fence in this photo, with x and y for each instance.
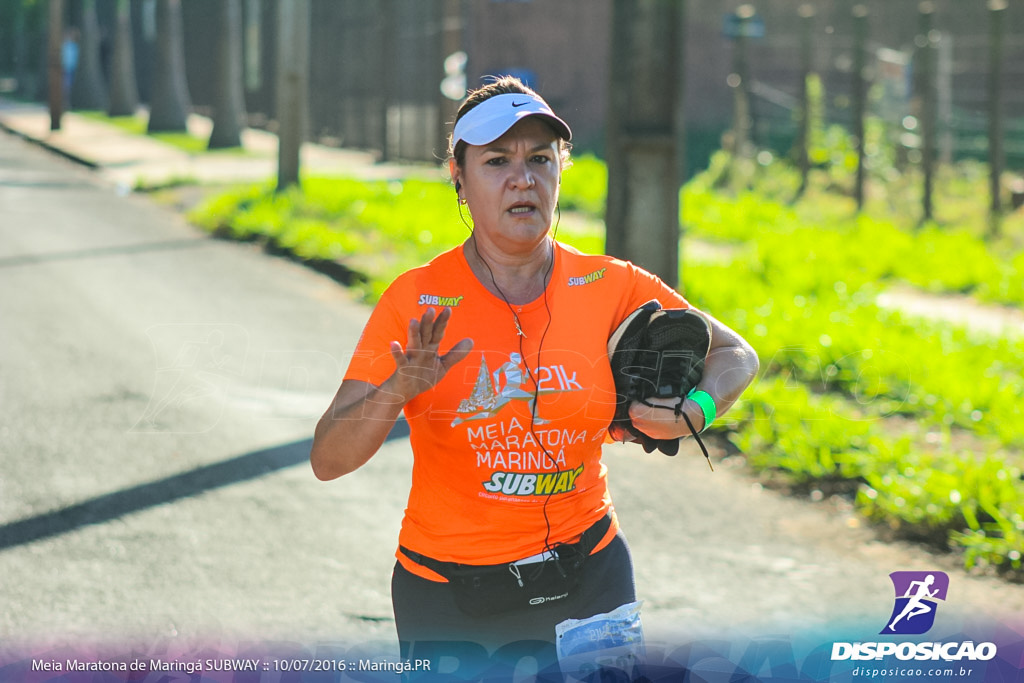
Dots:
(374, 75)
(959, 39)
(376, 65)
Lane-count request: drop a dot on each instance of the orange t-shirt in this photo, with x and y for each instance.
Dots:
(483, 469)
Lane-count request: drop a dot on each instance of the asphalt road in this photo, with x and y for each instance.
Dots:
(159, 390)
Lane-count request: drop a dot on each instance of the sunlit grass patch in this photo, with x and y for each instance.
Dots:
(138, 124)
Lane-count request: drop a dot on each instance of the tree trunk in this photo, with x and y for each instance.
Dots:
(997, 12)
(42, 49)
(803, 139)
(89, 90)
(292, 87)
(229, 104)
(645, 135)
(452, 22)
(860, 34)
(124, 95)
(55, 67)
(388, 30)
(169, 108)
(19, 50)
(742, 112)
(926, 67)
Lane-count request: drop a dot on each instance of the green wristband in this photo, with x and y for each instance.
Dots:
(707, 406)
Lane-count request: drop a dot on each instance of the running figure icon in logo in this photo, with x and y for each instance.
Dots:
(916, 595)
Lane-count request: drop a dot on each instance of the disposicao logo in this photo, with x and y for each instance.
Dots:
(917, 596)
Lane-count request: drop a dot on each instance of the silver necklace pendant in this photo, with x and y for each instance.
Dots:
(519, 328)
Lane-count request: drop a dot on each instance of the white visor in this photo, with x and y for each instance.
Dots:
(489, 120)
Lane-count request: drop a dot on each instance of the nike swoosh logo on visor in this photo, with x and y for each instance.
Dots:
(519, 104)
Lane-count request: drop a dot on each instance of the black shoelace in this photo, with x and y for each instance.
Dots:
(678, 410)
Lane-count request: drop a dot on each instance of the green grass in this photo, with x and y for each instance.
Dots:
(584, 186)
(377, 228)
(939, 257)
(137, 125)
(839, 371)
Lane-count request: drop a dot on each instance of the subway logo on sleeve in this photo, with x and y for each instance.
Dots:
(435, 300)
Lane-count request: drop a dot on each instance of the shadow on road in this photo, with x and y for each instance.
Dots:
(120, 250)
(137, 498)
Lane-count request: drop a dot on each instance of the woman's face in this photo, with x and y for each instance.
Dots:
(511, 185)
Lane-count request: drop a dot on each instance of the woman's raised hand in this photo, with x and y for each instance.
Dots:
(419, 366)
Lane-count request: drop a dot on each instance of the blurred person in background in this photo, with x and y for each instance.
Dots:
(69, 62)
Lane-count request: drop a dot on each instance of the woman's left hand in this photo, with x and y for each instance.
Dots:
(663, 422)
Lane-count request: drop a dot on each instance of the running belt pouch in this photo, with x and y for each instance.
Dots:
(483, 591)
(492, 589)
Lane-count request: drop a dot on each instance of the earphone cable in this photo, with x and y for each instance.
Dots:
(531, 375)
